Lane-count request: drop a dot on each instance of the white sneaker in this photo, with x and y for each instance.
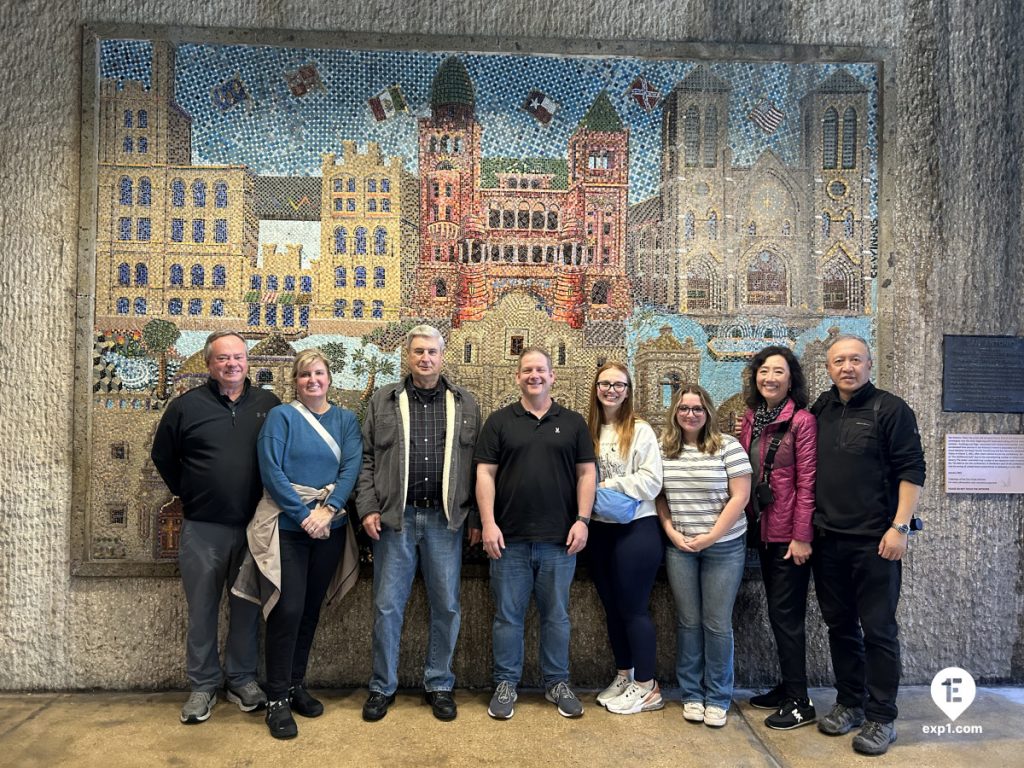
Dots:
(693, 711)
(715, 716)
(616, 689)
(637, 699)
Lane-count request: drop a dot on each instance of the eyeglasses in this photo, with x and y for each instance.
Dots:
(618, 386)
(696, 410)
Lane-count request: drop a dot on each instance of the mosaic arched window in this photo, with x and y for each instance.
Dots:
(195, 307)
(699, 286)
(177, 230)
(220, 230)
(850, 138)
(124, 228)
(141, 274)
(826, 225)
(371, 205)
(128, 145)
(553, 219)
(126, 191)
(217, 307)
(306, 284)
(288, 316)
(303, 315)
(835, 286)
(271, 282)
(766, 279)
(198, 230)
(270, 314)
(848, 225)
(669, 384)
(220, 276)
(385, 205)
(377, 313)
(385, 185)
(440, 288)
(360, 239)
(255, 282)
(380, 241)
(599, 293)
(371, 185)
(710, 137)
(199, 194)
(351, 184)
(122, 306)
(145, 191)
(177, 276)
(254, 314)
(360, 277)
(357, 309)
(689, 225)
(339, 307)
(140, 306)
(829, 138)
(537, 217)
(220, 194)
(691, 135)
(143, 229)
(378, 277)
(143, 119)
(178, 193)
(289, 283)
(127, 118)
(712, 225)
(143, 145)
(124, 274)
(340, 240)
(198, 275)
(174, 307)
(340, 277)
(493, 217)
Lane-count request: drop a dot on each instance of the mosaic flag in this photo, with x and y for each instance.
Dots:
(303, 80)
(387, 103)
(540, 106)
(229, 93)
(643, 92)
(766, 116)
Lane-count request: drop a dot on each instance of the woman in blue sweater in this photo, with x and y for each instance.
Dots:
(309, 452)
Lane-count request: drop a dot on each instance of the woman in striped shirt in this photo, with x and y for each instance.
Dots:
(706, 487)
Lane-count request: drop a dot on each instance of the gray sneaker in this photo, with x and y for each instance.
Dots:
(840, 720)
(874, 738)
(197, 708)
(502, 705)
(248, 697)
(561, 695)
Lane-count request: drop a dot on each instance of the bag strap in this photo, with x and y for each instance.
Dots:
(773, 447)
(319, 428)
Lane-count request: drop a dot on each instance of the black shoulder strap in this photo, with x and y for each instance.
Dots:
(773, 447)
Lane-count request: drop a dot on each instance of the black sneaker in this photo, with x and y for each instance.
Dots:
(376, 706)
(874, 738)
(280, 720)
(303, 702)
(773, 699)
(792, 714)
(842, 719)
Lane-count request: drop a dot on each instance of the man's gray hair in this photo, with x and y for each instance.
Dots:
(850, 337)
(428, 331)
(208, 349)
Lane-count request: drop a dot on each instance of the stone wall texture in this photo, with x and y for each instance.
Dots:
(954, 111)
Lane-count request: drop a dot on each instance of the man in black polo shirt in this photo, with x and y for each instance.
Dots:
(535, 490)
(414, 493)
(870, 472)
(205, 450)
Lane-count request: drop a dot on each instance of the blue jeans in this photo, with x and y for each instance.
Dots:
(704, 586)
(424, 540)
(543, 570)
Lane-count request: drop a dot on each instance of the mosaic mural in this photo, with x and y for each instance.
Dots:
(677, 214)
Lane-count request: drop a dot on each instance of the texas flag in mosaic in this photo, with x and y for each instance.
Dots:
(229, 93)
(643, 92)
(303, 80)
(766, 116)
(387, 103)
(540, 106)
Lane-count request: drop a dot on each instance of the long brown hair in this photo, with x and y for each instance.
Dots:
(709, 439)
(625, 419)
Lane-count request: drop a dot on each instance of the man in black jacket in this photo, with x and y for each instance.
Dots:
(870, 472)
(205, 450)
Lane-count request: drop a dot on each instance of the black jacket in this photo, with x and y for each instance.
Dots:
(864, 452)
(205, 450)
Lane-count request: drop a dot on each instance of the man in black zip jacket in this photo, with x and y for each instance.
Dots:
(870, 472)
(205, 450)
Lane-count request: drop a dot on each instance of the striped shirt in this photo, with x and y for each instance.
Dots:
(697, 487)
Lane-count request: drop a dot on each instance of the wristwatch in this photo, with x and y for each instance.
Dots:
(584, 520)
(901, 527)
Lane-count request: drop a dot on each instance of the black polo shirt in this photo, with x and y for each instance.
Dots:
(535, 498)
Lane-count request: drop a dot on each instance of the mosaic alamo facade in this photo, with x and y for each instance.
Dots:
(674, 214)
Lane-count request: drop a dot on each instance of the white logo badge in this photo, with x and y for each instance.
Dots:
(953, 691)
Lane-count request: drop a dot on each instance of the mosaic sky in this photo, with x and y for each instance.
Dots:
(277, 133)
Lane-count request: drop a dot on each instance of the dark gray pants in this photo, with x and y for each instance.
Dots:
(209, 556)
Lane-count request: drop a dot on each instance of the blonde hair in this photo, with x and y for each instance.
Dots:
(306, 358)
(709, 439)
(625, 419)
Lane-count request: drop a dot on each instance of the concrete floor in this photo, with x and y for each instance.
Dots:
(142, 729)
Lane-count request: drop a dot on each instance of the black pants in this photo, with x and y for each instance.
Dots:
(307, 566)
(785, 588)
(858, 591)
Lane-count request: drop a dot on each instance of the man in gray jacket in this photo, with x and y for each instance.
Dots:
(414, 493)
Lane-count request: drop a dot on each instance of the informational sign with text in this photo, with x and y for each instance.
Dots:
(984, 463)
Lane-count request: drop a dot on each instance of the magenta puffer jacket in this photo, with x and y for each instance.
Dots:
(789, 517)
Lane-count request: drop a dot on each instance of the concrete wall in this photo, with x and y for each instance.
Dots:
(955, 266)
